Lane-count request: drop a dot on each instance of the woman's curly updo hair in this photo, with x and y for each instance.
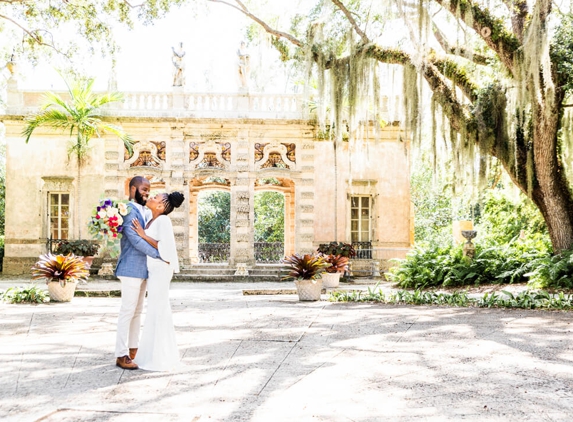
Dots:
(172, 200)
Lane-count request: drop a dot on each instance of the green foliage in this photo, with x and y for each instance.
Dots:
(80, 117)
(62, 268)
(269, 217)
(77, 247)
(305, 267)
(337, 248)
(446, 266)
(432, 208)
(502, 220)
(562, 52)
(2, 188)
(552, 271)
(214, 216)
(524, 300)
(30, 294)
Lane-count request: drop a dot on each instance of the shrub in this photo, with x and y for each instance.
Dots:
(77, 247)
(31, 294)
(337, 248)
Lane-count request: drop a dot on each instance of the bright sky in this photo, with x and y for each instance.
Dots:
(210, 42)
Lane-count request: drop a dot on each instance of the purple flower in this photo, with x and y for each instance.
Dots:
(108, 203)
(120, 229)
(98, 209)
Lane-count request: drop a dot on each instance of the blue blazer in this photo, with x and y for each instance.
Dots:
(132, 261)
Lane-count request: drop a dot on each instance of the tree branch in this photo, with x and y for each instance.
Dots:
(519, 15)
(491, 29)
(458, 51)
(458, 76)
(266, 27)
(352, 21)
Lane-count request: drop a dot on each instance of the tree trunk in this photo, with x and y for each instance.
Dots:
(551, 193)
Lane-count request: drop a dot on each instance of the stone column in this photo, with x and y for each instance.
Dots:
(304, 202)
(242, 208)
(175, 161)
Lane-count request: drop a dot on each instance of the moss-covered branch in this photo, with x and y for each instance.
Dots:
(491, 29)
(457, 50)
(457, 75)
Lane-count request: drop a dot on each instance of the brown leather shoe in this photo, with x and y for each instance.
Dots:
(132, 353)
(125, 362)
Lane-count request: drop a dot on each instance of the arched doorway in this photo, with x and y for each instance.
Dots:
(209, 220)
(274, 209)
(269, 226)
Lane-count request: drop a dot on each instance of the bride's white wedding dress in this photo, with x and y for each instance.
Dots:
(158, 346)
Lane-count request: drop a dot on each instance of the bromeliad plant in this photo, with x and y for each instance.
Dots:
(60, 268)
(305, 267)
(337, 248)
(337, 263)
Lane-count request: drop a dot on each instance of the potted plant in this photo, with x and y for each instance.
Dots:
(337, 248)
(306, 272)
(85, 249)
(62, 272)
(338, 263)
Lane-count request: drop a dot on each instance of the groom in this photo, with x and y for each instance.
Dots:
(132, 272)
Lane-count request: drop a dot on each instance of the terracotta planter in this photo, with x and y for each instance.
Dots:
(89, 260)
(61, 294)
(307, 290)
(330, 280)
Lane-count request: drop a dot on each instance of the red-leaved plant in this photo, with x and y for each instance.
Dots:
(337, 263)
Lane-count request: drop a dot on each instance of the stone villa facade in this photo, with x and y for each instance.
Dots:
(195, 142)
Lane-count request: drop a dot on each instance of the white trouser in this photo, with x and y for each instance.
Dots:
(129, 320)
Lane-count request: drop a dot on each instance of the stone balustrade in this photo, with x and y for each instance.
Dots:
(178, 103)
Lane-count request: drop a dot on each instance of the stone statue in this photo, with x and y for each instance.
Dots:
(178, 62)
(243, 67)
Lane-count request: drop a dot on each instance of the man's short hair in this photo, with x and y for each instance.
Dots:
(137, 181)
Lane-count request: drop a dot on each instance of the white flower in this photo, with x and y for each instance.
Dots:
(102, 214)
(119, 219)
(111, 211)
(122, 208)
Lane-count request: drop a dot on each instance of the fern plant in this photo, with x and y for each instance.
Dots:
(61, 268)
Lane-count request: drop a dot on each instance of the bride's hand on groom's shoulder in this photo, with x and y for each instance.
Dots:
(137, 227)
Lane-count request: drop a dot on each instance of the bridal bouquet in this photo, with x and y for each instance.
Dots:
(106, 223)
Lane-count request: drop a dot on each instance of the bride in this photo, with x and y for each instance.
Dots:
(158, 346)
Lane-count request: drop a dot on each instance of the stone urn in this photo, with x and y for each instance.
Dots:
(61, 293)
(331, 280)
(308, 290)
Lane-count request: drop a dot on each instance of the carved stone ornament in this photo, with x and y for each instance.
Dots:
(146, 154)
(58, 183)
(275, 155)
(210, 155)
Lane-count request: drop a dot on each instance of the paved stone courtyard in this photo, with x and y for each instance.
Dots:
(272, 358)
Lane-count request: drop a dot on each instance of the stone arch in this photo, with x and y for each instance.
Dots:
(286, 186)
(275, 155)
(197, 185)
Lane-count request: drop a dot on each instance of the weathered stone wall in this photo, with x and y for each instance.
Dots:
(315, 210)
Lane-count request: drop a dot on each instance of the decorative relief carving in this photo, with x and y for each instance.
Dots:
(307, 223)
(307, 236)
(57, 183)
(210, 154)
(243, 238)
(242, 182)
(307, 208)
(242, 223)
(307, 195)
(146, 154)
(291, 152)
(259, 151)
(243, 157)
(243, 168)
(275, 161)
(308, 145)
(307, 182)
(307, 158)
(242, 209)
(242, 194)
